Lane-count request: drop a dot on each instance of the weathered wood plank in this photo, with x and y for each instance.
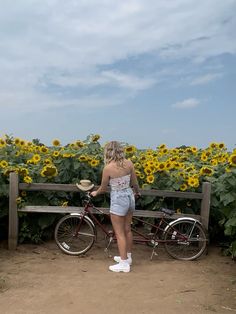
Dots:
(73, 209)
(13, 214)
(205, 204)
(73, 188)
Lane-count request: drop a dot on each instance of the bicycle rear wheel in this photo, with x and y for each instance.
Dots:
(74, 235)
(185, 240)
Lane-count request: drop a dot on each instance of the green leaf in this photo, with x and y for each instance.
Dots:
(227, 198)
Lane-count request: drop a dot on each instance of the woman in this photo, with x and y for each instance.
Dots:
(119, 173)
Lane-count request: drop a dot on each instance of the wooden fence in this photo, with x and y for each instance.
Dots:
(15, 187)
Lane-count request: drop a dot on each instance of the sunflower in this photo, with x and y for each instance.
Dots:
(23, 193)
(17, 141)
(27, 179)
(191, 181)
(214, 162)
(94, 162)
(2, 143)
(22, 143)
(43, 149)
(150, 179)
(3, 164)
(83, 158)
(148, 170)
(79, 143)
(206, 171)
(131, 149)
(204, 157)
(95, 137)
(161, 166)
(67, 155)
(213, 145)
(49, 171)
(183, 187)
(56, 142)
(221, 145)
(138, 173)
(193, 149)
(232, 160)
(161, 146)
(47, 161)
(18, 200)
(164, 151)
(23, 171)
(36, 158)
(137, 165)
(143, 158)
(55, 154)
(196, 183)
(174, 158)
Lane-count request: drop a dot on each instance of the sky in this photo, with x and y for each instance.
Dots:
(140, 72)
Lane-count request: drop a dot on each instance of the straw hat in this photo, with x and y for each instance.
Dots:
(85, 185)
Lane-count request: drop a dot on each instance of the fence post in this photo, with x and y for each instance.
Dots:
(13, 214)
(205, 204)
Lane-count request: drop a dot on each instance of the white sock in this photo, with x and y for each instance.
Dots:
(123, 261)
(129, 255)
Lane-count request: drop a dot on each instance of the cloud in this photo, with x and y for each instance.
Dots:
(128, 81)
(46, 50)
(186, 104)
(205, 79)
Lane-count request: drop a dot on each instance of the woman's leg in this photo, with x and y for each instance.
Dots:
(128, 232)
(118, 223)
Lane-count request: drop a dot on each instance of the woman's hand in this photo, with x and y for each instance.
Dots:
(137, 195)
(93, 194)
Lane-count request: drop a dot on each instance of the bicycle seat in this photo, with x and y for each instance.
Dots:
(167, 211)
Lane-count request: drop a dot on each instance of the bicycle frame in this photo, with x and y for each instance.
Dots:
(178, 234)
(143, 238)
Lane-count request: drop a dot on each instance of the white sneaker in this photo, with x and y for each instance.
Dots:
(118, 259)
(120, 267)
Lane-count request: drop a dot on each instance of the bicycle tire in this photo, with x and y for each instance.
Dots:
(71, 241)
(189, 249)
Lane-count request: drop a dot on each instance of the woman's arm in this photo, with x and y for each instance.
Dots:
(105, 181)
(134, 180)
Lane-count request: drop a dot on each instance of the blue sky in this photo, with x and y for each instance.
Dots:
(142, 72)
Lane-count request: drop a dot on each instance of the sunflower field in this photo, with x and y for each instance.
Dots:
(182, 168)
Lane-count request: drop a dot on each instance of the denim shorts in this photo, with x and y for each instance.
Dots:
(122, 202)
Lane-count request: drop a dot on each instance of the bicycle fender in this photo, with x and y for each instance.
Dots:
(85, 218)
(181, 219)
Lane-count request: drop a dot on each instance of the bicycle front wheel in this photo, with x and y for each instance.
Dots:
(74, 235)
(185, 240)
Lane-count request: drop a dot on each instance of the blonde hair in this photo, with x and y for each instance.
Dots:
(113, 151)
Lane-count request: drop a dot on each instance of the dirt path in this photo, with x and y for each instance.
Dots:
(41, 279)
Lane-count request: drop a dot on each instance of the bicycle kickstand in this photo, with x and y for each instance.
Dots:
(155, 244)
(106, 250)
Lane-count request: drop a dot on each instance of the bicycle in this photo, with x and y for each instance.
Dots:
(183, 238)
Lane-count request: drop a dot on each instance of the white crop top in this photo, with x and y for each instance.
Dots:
(120, 183)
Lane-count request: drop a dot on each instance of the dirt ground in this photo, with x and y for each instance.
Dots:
(41, 279)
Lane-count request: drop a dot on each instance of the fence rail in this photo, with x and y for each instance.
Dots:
(15, 187)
